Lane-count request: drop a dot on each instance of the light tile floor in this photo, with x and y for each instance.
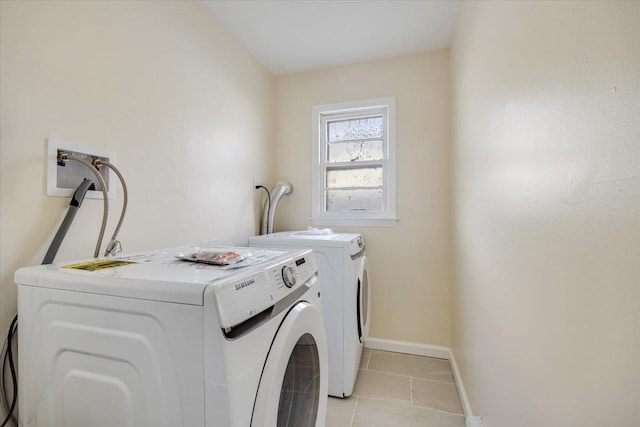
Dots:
(396, 389)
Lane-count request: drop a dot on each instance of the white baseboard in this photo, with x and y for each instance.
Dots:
(430, 351)
(474, 422)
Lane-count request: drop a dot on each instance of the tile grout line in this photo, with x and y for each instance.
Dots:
(442, 411)
(367, 367)
(402, 403)
(353, 415)
(371, 352)
(409, 376)
(436, 381)
(411, 390)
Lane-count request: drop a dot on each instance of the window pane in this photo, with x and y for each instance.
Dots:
(356, 177)
(355, 151)
(345, 130)
(359, 199)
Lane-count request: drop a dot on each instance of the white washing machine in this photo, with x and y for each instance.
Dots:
(343, 270)
(166, 342)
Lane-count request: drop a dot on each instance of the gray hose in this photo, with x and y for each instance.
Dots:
(105, 212)
(74, 205)
(114, 246)
(269, 210)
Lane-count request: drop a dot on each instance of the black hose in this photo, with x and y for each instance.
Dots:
(268, 200)
(12, 330)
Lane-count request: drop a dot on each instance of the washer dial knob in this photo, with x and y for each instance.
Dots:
(289, 276)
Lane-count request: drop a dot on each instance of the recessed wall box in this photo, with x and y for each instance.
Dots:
(64, 178)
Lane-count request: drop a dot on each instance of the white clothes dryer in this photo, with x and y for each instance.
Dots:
(150, 340)
(346, 296)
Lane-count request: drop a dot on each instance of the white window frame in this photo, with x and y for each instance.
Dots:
(322, 217)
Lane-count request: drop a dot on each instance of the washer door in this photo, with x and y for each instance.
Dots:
(364, 299)
(293, 386)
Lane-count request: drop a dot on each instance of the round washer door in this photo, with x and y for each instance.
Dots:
(364, 299)
(294, 382)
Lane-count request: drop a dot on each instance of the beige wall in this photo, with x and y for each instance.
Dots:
(186, 109)
(410, 264)
(546, 325)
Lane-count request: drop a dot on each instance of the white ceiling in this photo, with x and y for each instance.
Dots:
(291, 36)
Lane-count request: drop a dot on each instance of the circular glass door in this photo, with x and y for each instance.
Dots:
(300, 392)
(363, 300)
(294, 382)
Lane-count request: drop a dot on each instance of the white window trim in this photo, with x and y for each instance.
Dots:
(369, 219)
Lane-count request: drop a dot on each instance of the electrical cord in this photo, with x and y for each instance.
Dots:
(8, 354)
(4, 399)
(64, 157)
(114, 245)
(268, 199)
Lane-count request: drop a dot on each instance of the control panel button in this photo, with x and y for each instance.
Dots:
(289, 276)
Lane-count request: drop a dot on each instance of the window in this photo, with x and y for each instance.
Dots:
(354, 163)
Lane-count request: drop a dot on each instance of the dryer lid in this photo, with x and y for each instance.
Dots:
(301, 239)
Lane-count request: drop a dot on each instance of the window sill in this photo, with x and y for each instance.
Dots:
(353, 222)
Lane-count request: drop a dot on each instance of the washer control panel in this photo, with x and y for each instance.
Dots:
(257, 288)
(298, 271)
(289, 276)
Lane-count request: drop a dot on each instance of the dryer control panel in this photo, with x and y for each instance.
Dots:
(356, 247)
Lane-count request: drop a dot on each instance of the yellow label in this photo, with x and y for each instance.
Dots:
(101, 264)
